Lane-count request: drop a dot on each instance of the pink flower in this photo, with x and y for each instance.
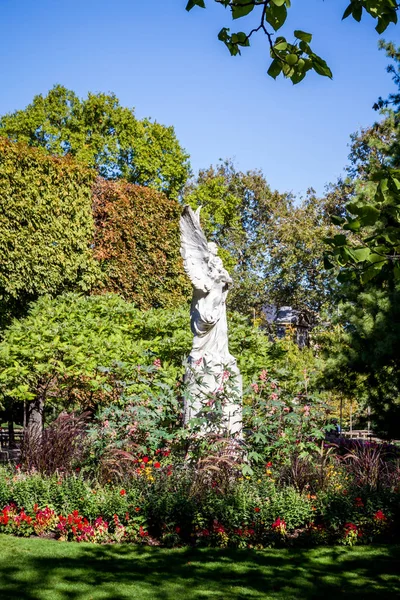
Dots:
(225, 375)
(255, 387)
(274, 396)
(286, 409)
(157, 363)
(263, 375)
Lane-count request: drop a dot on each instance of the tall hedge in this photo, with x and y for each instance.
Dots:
(46, 226)
(137, 244)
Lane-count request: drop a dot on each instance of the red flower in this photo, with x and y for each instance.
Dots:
(145, 459)
(166, 452)
(157, 465)
(358, 502)
(77, 469)
(379, 516)
(279, 524)
(177, 529)
(257, 509)
(122, 493)
(137, 509)
(269, 464)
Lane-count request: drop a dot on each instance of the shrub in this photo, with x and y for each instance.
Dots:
(137, 244)
(46, 227)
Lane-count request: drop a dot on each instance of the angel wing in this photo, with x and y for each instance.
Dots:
(194, 250)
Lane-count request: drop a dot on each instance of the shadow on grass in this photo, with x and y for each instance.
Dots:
(45, 570)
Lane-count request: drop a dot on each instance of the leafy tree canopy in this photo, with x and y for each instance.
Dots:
(46, 227)
(99, 132)
(88, 350)
(294, 58)
(272, 245)
(366, 255)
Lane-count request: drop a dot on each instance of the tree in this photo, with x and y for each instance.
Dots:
(46, 227)
(366, 255)
(101, 133)
(74, 351)
(137, 244)
(271, 245)
(292, 59)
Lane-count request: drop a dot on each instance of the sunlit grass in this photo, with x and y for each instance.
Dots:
(36, 569)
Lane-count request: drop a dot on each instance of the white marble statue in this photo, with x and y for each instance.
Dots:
(211, 371)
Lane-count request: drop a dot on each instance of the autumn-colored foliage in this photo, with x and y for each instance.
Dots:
(137, 244)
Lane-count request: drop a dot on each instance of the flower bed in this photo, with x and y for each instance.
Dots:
(167, 507)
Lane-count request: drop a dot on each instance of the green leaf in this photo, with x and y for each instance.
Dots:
(280, 46)
(327, 263)
(376, 259)
(278, 2)
(383, 23)
(276, 15)
(192, 3)
(339, 240)
(239, 11)
(352, 207)
(297, 77)
(337, 220)
(352, 225)
(361, 254)
(369, 274)
(302, 35)
(320, 66)
(357, 12)
(305, 48)
(368, 214)
(240, 38)
(348, 11)
(275, 68)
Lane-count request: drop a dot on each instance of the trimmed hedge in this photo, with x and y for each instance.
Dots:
(137, 244)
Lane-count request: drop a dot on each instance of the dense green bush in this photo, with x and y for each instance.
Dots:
(89, 349)
(46, 227)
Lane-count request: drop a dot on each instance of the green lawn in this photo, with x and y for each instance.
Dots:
(35, 569)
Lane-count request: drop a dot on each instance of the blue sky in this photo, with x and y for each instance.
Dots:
(169, 65)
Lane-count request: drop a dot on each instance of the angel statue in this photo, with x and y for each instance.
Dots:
(211, 370)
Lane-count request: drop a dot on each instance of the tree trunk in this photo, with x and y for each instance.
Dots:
(11, 436)
(34, 419)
